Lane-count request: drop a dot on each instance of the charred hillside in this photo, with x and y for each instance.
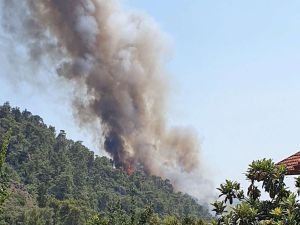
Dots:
(62, 179)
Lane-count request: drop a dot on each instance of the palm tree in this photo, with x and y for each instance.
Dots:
(231, 190)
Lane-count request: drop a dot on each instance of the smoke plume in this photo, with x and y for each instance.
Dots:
(115, 61)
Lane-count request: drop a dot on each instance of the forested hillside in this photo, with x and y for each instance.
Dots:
(55, 180)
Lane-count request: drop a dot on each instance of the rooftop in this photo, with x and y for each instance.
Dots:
(292, 163)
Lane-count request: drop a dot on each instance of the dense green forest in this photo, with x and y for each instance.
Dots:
(47, 179)
(52, 180)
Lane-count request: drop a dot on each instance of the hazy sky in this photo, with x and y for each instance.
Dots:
(235, 72)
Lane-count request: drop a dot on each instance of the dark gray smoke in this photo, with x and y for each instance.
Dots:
(114, 59)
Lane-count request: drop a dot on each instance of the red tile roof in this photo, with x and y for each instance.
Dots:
(292, 163)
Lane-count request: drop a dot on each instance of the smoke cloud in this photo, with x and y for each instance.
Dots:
(115, 61)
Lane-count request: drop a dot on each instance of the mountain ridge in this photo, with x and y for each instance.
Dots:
(62, 177)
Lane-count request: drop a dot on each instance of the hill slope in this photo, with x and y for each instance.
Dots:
(61, 181)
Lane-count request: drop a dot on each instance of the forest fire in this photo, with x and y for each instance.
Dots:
(129, 168)
(113, 61)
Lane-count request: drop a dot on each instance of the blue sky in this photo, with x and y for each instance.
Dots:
(236, 79)
(236, 67)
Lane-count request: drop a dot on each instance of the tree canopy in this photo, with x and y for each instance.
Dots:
(280, 207)
(55, 180)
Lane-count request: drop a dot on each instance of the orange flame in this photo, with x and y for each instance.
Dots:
(129, 168)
